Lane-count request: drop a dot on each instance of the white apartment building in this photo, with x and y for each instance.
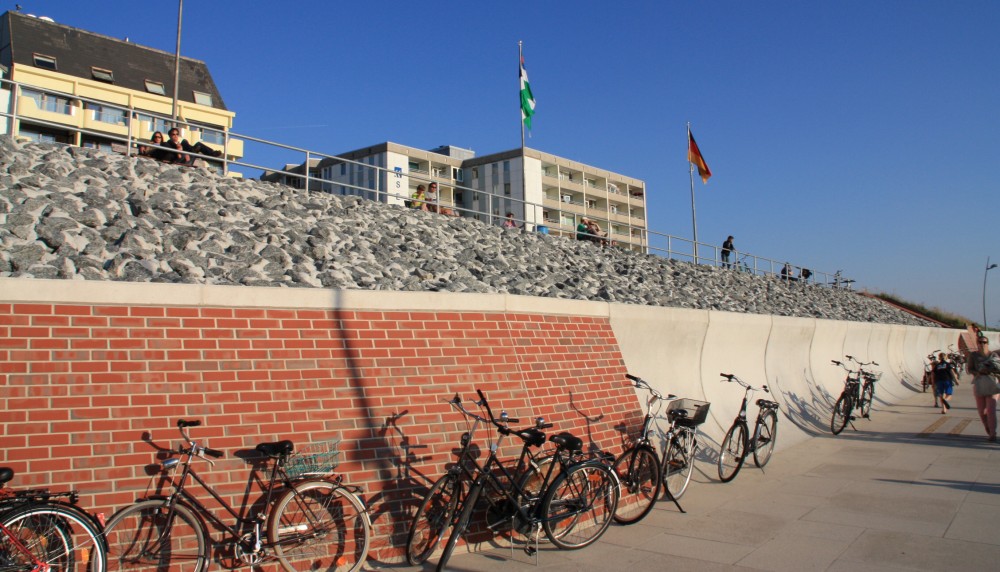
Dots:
(543, 191)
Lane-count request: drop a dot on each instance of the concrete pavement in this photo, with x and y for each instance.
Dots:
(910, 489)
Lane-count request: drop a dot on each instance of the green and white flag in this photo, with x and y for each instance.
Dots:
(527, 99)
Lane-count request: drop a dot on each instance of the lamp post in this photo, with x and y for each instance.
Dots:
(985, 273)
(177, 59)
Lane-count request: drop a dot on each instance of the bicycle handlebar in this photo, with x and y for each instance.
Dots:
(643, 384)
(182, 424)
(860, 363)
(732, 377)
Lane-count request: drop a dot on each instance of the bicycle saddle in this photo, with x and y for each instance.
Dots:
(531, 437)
(567, 441)
(767, 404)
(6, 474)
(278, 449)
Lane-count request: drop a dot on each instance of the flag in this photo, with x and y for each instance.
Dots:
(694, 157)
(527, 99)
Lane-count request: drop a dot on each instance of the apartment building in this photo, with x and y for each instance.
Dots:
(86, 89)
(543, 191)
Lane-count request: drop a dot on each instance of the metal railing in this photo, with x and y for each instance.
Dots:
(379, 184)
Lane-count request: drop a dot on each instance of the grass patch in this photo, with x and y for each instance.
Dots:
(953, 320)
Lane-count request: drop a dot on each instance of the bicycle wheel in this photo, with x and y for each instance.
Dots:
(145, 536)
(733, 452)
(319, 525)
(679, 462)
(639, 473)
(532, 480)
(433, 518)
(468, 506)
(867, 394)
(767, 435)
(59, 536)
(580, 505)
(841, 413)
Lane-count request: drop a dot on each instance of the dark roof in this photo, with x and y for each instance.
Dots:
(77, 51)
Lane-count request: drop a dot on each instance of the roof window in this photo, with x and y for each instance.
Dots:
(45, 62)
(104, 75)
(203, 98)
(155, 87)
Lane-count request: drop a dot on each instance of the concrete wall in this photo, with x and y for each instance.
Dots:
(88, 369)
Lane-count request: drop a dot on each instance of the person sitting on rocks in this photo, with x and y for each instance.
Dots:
(509, 221)
(418, 200)
(433, 201)
(182, 145)
(155, 149)
(583, 230)
(787, 273)
(597, 235)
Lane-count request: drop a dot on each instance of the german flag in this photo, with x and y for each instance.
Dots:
(694, 157)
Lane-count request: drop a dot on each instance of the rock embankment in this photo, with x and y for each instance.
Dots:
(80, 214)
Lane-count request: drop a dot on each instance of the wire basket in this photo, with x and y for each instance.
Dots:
(697, 411)
(314, 459)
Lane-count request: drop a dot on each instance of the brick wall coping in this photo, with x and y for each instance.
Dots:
(30, 290)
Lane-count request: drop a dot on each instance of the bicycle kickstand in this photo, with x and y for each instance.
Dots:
(673, 500)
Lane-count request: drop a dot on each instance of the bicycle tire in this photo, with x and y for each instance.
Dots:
(841, 413)
(678, 464)
(468, 506)
(319, 525)
(867, 395)
(733, 452)
(432, 519)
(639, 472)
(62, 536)
(135, 534)
(766, 436)
(579, 505)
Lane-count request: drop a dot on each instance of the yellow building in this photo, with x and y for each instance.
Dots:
(82, 88)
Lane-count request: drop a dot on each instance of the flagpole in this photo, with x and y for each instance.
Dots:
(694, 219)
(524, 158)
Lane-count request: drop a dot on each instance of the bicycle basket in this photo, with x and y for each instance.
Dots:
(697, 411)
(314, 459)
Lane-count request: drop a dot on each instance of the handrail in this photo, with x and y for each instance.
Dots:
(662, 244)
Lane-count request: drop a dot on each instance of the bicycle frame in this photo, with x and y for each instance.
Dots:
(37, 564)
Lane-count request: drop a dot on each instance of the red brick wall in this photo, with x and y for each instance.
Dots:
(90, 391)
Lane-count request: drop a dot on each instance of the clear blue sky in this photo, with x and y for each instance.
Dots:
(861, 135)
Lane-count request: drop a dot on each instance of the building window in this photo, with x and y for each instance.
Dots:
(506, 189)
(49, 102)
(203, 98)
(106, 114)
(211, 134)
(100, 145)
(155, 87)
(104, 75)
(343, 169)
(45, 62)
(155, 123)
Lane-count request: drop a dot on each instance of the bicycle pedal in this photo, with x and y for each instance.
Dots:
(852, 418)
(530, 550)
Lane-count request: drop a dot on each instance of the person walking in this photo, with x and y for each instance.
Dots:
(985, 365)
(945, 378)
(727, 249)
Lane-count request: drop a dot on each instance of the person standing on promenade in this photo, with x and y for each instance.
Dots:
(945, 378)
(727, 249)
(985, 366)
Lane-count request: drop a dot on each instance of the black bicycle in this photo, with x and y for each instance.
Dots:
(858, 393)
(738, 442)
(436, 511)
(306, 521)
(43, 531)
(576, 504)
(642, 472)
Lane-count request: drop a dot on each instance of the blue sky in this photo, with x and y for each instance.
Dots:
(849, 134)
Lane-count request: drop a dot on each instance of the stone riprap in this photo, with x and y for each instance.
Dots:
(74, 213)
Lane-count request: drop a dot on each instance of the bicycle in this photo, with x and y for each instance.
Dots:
(856, 395)
(867, 386)
(574, 508)
(436, 511)
(642, 472)
(307, 521)
(42, 531)
(738, 443)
